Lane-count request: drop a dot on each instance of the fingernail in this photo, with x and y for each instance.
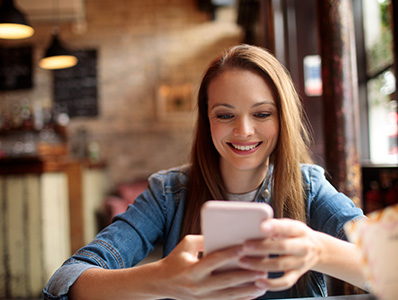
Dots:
(239, 251)
(261, 291)
(261, 284)
(266, 227)
(243, 262)
(248, 246)
(261, 275)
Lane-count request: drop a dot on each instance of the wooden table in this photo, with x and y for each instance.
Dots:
(349, 297)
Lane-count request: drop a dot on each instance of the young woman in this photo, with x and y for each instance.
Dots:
(250, 145)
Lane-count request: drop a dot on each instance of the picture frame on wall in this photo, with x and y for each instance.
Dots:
(175, 102)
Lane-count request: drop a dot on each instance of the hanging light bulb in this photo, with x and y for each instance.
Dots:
(57, 56)
(13, 24)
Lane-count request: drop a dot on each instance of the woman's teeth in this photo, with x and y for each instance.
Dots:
(244, 148)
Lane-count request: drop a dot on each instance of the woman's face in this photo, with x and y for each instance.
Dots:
(244, 120)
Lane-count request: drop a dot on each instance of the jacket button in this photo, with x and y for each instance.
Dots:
(266, 193)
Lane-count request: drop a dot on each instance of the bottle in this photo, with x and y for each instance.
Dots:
(93, 151)
(26, 115)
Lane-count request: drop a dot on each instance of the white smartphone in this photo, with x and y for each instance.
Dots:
(229, 223)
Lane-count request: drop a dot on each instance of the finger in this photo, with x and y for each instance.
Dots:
(237, 277)
(249, 291)
(276, 264)
(212, 282)
(192, 243)
(283, 227)
(281, 246)
(284, 282)
(218, 259)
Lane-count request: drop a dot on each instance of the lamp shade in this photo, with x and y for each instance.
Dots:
(57, 56)
(13, 24)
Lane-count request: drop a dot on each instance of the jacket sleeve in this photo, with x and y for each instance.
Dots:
(124, 243)
(328, 210)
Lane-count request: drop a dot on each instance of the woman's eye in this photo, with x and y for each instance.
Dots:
(262, 115)
(224, 116)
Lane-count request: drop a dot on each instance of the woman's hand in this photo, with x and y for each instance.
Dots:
(185, 276)
(180, 275)
(291, 247)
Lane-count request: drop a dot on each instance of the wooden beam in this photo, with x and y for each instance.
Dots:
(340, 96)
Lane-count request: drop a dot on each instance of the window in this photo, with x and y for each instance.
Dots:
(381, 85)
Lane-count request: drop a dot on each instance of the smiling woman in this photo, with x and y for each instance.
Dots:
(249, 145)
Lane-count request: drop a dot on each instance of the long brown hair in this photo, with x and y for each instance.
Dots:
(205, 176)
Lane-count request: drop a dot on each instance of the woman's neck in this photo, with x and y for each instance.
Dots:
(243, 181)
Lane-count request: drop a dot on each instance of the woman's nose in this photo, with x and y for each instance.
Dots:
(243, 127)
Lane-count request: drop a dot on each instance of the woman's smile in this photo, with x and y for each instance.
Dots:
(244, 149)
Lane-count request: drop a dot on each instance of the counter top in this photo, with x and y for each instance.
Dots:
(35, 164)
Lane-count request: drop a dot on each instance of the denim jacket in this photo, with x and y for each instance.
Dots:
(156, 216)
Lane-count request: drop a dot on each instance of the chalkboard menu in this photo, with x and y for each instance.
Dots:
(75, 88)
(15, 68)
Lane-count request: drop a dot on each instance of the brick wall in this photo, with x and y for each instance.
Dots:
(141, 46)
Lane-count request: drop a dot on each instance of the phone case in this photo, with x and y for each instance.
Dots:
(228, 223)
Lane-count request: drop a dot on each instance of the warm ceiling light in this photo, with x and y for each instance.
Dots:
(57, 56)
(13, 24)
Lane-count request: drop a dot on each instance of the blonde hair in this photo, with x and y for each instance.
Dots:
(292, 148)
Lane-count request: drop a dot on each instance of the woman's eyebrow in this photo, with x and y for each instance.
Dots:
(253, 106)
(264, 103)
(222, 104)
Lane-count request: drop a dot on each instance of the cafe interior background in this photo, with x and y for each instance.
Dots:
(77, 143)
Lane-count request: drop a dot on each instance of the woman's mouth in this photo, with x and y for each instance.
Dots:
(244, 147)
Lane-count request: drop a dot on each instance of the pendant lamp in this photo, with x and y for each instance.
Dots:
(57, 56)
(13, 24)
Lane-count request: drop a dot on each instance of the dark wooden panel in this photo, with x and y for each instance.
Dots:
(15, 68)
